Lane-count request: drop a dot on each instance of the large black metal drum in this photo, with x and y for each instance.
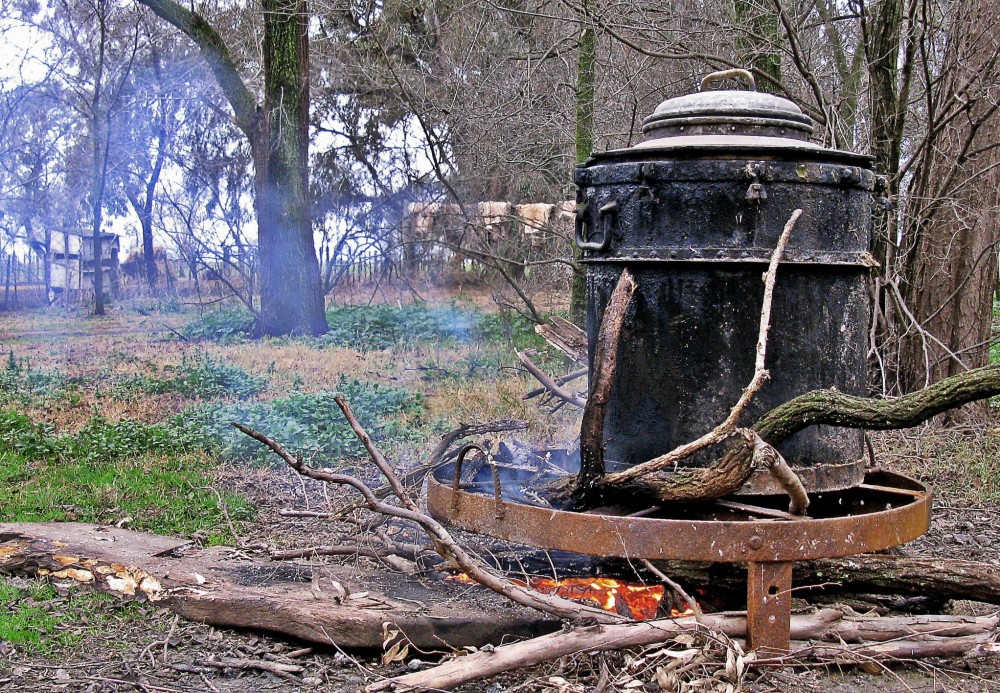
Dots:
(695, 211)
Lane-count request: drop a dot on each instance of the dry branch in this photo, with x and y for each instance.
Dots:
(604, 365)
(561, 380)
(928, 636)
(766, 457)
(817, 407)
(760, 375)
(442, 540)
(548, 383)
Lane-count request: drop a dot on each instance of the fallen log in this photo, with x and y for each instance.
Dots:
(881, 574)
(894, 638)
(329, 604)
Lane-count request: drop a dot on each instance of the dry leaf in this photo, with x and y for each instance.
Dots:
(397, 653)
(666, 679)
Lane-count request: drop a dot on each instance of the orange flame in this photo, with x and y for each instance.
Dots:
(639, 601)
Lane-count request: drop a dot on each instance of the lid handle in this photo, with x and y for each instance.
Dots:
(729, 74)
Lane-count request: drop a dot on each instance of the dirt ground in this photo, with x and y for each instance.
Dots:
(149, 649)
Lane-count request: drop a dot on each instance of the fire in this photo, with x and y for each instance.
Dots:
(639, 601)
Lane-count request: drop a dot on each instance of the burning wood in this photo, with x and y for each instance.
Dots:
(639, 601)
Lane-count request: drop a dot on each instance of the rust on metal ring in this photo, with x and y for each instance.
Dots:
(497, 486)
(871, 521)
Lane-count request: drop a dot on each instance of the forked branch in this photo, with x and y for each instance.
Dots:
(442, 540)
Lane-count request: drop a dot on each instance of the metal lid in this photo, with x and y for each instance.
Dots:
(740, 113)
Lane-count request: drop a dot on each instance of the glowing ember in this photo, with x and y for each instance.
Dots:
(640, 601)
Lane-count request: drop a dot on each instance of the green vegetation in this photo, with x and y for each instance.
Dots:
(109, 471)
(226, 325)
(201, 377)
(37, 619)
(509, 329)
(198, 377)
(310, 423)
(20, 384)
(159, 474)
(371, 328)
(97, 442)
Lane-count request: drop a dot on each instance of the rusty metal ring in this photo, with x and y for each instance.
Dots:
(466, 449)
(456, 478)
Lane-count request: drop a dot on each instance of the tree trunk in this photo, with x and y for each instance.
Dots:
(882, 26)
(278, 130)
(585, 71)
(758, 45)
(951, 264)
(291, 297)
(99, 147)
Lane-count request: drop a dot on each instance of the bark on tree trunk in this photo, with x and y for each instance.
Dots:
(291, 297)
(278, 130)
(585, 71)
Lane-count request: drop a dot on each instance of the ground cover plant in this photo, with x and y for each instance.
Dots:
(39, 619)
(310, 423)
(19, 382)
(147, 475)
(201, 377)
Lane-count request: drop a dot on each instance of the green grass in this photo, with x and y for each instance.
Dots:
(36, 619)
(109, 471)
(165, 495)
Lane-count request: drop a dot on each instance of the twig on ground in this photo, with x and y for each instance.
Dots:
(284, 671)
(287, 512)
(896, 636)
(290, 554)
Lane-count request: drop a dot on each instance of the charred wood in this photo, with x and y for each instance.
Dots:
(604, 366)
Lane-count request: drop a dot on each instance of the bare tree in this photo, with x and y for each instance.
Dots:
(948, 264)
